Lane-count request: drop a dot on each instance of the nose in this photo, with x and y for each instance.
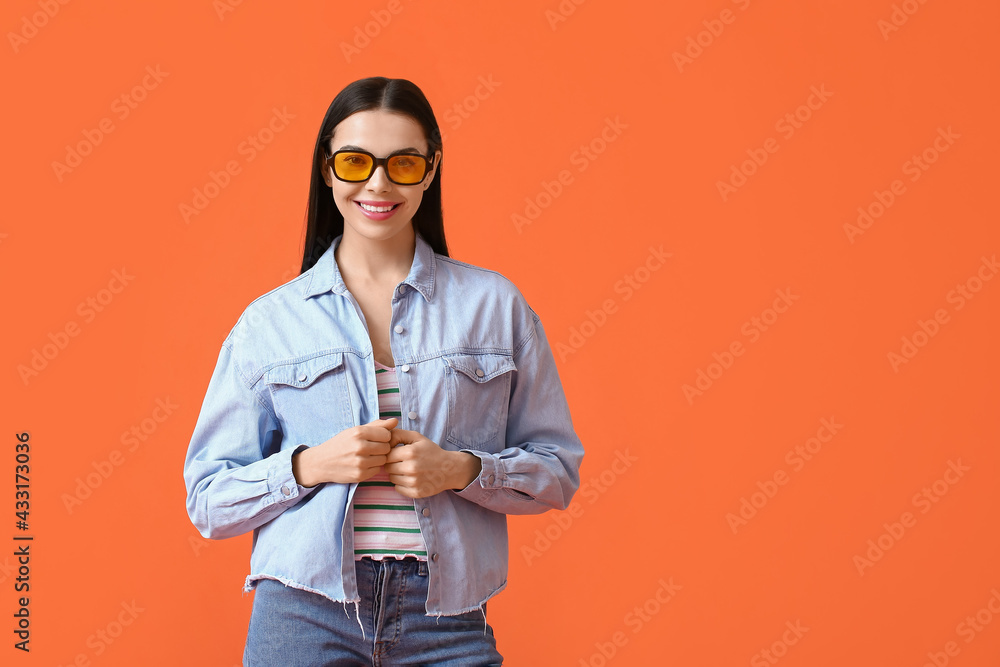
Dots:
(379, 181)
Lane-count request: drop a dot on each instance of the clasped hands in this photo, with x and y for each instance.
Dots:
(418, 467)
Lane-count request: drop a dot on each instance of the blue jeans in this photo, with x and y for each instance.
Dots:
(290, 627)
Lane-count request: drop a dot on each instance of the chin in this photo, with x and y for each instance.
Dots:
(379, 231)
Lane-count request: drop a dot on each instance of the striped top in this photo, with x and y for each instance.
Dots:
(385, 523)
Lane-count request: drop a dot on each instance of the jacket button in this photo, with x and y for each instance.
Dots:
(434, 557)
(411, 414)
(302, 377)
(426, 511)
(286, 491)
(398, 328)
(405, 368)
(479, 372)
(490, 480)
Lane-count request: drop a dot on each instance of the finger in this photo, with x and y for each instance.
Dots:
(387, 424)
(397, 455)
(375, 461)
(393, 456)
(372, 449)
(403, 480)
(368, 473)
(375, 432)
(406, 491)
(405, 437)
(392, 467)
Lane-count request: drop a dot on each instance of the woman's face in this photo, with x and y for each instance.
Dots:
(380, 133)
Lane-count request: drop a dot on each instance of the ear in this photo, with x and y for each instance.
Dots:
(327, 172)
(437, 163)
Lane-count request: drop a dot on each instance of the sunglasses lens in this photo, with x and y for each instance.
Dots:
(358, 167)
(407, 169)
(352, 166)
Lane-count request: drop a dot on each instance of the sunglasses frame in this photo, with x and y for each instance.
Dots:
(380, 161)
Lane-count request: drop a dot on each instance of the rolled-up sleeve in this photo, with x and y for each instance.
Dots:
(540, 467)
(237, 476)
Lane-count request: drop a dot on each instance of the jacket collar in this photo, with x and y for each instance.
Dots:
(325, 274)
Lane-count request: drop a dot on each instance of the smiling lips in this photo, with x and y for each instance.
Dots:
(376, 206)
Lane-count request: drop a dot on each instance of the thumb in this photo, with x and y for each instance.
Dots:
(388, 424)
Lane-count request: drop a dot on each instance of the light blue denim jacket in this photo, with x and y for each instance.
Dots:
(475, 373)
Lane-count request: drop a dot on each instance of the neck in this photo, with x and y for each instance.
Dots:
(375, 260)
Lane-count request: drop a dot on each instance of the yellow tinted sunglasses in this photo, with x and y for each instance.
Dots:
(357, 166)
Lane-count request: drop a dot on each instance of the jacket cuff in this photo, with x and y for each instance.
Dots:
(281, 484)
(491, 477)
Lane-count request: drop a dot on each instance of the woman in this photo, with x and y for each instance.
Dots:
(375, 419)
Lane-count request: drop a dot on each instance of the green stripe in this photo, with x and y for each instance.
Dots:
(387, 529)
(389, 413)
(389, 391)
(389, 551)
(384, 507)
(379, 370)
(376, 484)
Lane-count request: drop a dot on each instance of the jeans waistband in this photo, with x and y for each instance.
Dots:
(407, 564)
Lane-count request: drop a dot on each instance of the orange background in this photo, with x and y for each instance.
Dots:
(554, 86)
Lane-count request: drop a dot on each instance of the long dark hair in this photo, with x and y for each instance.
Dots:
(324, 221)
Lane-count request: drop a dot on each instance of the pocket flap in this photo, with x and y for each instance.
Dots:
(304, 372)
(481, 367)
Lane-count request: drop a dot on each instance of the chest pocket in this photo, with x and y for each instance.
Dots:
(478, 397)
(311, 398)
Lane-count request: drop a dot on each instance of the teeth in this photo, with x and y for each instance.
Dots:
(376, 209)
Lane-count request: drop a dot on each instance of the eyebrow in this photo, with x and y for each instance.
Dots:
(408, 149)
